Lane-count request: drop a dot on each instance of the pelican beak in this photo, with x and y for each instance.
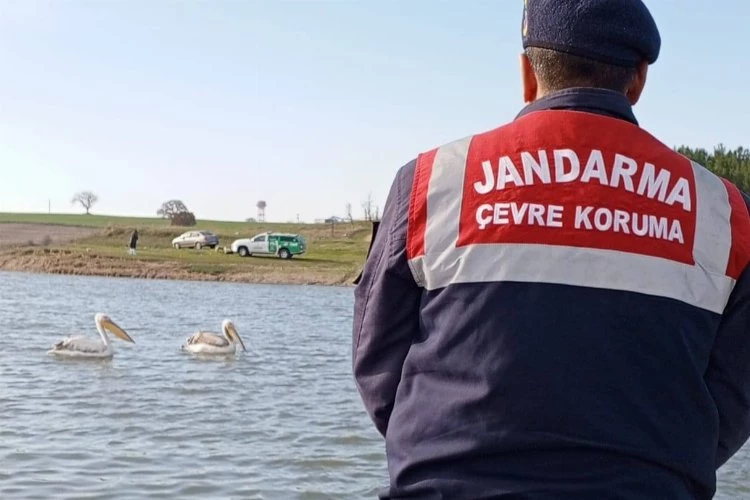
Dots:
(117, 331)
(235, 336)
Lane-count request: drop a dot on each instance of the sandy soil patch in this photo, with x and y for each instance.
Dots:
(13, 234)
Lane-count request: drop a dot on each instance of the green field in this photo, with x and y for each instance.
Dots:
(334, 256)
(143, 222)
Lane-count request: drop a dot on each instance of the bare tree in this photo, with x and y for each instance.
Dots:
(349, 216)
(86, 199)
(376, 213)
(368, 207)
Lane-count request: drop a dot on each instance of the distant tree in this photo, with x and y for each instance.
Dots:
(177, 213)
(368, 207)
(170, 208)
(251, 219)
(733, 165)
(86, 199)
(349, 216)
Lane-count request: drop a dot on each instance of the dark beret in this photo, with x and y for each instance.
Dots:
(619, 32)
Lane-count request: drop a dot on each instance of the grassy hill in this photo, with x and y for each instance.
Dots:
(82, 220)
(334, 257)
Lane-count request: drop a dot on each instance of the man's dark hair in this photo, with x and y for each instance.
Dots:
(559, 70)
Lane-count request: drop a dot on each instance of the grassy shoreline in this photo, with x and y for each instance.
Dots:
(97, 246)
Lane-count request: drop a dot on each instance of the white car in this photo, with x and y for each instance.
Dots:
(281, 244)
(196, 239)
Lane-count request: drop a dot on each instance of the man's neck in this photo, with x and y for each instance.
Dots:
(600, 101)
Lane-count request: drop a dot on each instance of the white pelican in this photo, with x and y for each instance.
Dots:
(213, 343)
(85, 347)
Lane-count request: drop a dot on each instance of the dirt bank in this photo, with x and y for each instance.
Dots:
(81, 262)
(92, 251)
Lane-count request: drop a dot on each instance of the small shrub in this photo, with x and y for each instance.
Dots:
(47, 240)
(183, 219)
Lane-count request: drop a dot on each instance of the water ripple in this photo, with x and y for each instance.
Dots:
(281, 421)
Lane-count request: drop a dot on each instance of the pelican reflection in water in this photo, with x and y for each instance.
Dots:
(213, 343)
(81, 346)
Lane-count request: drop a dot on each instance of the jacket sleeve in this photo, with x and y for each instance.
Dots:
(728, 373)
(386, 307)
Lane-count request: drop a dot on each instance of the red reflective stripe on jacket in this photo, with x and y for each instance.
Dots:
(418, 205)
(576, 199)
(739, 255)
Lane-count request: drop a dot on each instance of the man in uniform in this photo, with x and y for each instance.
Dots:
(560, 307)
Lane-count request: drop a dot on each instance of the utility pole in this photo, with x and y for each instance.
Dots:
(49, 206)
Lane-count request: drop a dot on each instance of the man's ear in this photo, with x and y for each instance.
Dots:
(635, 89)
(528, 80)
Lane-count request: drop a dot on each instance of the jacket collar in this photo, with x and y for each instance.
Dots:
(590, 100)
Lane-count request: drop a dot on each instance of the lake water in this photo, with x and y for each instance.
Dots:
(281, 421)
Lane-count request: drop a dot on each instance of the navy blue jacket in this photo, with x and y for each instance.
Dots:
(535, 391)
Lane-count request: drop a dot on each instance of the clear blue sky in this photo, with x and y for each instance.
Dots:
(306, 105)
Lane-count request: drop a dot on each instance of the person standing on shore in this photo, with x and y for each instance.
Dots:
(559, 307)
(133, 241)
